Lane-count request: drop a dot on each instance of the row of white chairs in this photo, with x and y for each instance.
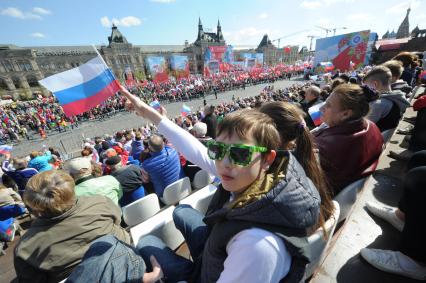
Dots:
(146, 207)
(162, 225)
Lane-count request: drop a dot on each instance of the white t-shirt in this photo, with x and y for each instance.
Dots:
(255, 255)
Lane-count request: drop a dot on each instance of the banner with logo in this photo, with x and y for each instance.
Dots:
(345, 51)
(157, 67)
(179, 65)
(129, 78)
(218, 59)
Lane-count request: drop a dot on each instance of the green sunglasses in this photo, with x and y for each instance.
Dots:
(239, 154)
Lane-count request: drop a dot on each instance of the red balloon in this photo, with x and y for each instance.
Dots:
(287, 49)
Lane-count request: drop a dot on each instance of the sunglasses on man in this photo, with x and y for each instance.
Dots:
(239, 154)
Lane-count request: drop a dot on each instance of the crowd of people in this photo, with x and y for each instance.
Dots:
(21, 118)
(278, 170)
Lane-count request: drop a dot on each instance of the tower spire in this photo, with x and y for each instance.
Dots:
(404, 28)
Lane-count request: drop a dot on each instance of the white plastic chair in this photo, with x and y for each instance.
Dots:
(160, 225)
(200, 199)
(318, 243)
(141, 209)
(387, 134)
(347, 197)
(201, 179)
(176, 191)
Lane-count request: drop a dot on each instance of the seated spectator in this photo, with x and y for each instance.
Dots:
(86, 184)
(90, 153)
(336, 82)
(129, 177)
(64, 228)
(312, 97)
(145, 154)
(163, 166)
(128, 143)
(409, 62)
(18, 171)
(40, 161)
(137, 146)
(387, 109)
(418, 132)
(349, 136)
(408, 218)
(53, 151)
(396, 69)
(105, 254)
(199, 130)
(9, 197)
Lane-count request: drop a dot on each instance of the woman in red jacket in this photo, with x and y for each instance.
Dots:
(349, 145)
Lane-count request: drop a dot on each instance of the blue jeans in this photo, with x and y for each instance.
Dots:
(109, 260)
(176, 268)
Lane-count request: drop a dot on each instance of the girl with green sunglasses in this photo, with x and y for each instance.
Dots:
(264, 203)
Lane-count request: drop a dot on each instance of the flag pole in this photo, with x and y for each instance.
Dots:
(100, 56)
(97, 52)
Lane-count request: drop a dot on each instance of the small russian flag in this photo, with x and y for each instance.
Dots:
(315, 113)
(155, 104)
(4, 149)
(185, 110)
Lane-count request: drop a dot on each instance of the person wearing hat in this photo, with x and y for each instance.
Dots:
(86, 184)
(129, 177)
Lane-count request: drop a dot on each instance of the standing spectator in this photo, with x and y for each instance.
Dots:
(211, 121)
(137, 146)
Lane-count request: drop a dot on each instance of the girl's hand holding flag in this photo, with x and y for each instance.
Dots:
(141, 108)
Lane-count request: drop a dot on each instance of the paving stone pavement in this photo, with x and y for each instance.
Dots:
(71, 141)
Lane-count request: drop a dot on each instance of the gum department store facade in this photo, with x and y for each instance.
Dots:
(22, 67)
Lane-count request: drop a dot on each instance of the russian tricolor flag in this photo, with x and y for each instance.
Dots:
(155, 104)
(315, 113)
(82, 88)
(5, 149)
(185, 110)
